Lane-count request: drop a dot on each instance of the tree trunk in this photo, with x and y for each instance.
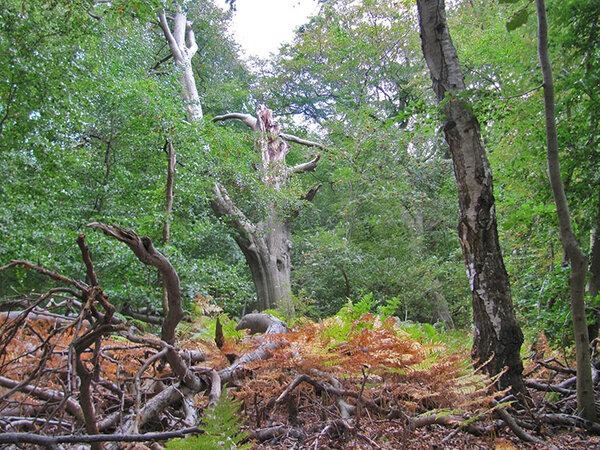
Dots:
(593, 286)
(271, 267)
(585, 387)
(266, 247)
(267, 244)
(498, 337)
(182, 42)
(171, 159)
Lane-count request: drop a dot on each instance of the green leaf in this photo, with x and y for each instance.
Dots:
(518, 19)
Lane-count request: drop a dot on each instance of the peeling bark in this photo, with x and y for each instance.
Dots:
(498, 337)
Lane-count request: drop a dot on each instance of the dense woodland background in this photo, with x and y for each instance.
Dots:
(89, 99)
(91, 104)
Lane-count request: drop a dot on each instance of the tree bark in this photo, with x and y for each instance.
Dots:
(498, 337)
(593, 286)
(585, 387)
(267, 244)
(182, 42)
(147, 254)
(171, 159)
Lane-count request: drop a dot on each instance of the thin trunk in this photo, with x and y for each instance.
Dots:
(593, 286)
(585, 388)
(171, 159)
(107, 156)
(498, 337)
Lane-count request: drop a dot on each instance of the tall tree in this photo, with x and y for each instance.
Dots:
(585, 387)
(498, 337)
(266, 245)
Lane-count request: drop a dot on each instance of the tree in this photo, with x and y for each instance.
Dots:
(498, 337)
(585, 386)
(266, 245)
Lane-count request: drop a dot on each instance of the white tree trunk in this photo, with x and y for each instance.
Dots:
(498, 337)
(183, 48)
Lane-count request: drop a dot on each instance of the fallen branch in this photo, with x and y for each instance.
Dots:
(548, 387)
(265, 323)
(266, 434)
(46, 394)
(47, 441)
(516, 429)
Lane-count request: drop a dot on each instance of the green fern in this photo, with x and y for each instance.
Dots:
(221, 425)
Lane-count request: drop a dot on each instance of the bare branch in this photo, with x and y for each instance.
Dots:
(310, 195)
(46, 394)
(191, 38)
(146, 253)
(47, 441)
(248, 119)
(223, 206)
(52, 275)
(169, 36)
(87, 259)
(305, 142)
(309, 166)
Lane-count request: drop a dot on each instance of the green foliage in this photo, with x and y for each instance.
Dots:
(203, 327)
(353, 311)
(221, 425)
(518, 19)
(391, 307)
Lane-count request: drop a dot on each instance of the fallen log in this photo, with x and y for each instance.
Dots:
(256, 323)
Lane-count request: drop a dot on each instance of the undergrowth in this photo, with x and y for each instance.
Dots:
(221, 427)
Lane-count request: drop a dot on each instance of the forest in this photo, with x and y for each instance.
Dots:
(385, 235)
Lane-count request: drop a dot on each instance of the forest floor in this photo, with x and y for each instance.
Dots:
(345, 382)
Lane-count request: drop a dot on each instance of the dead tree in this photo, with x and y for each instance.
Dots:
(267, 243)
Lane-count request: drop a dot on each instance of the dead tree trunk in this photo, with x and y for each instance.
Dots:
(182, 42)
(585, 386)
(498, 337)
(267, 244)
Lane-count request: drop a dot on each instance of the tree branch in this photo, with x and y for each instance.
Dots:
(223, 206)
(47, 441)
(45, 394)
(309, 166)
(169, 36)
(146, 253)
(53, 275)
(305, 142)
(248, 119)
